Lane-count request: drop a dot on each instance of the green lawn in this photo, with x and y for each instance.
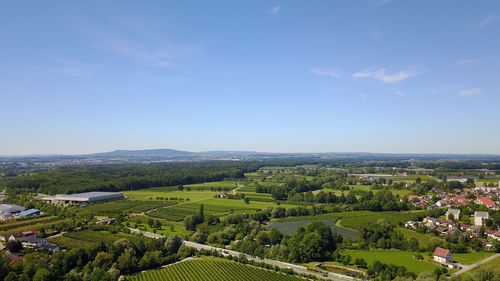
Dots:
(168, 227)
(395, 257)
(470, 258)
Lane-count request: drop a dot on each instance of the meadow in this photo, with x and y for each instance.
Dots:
(395, 257)
(423, 239)
(470, 258)
(211, 269)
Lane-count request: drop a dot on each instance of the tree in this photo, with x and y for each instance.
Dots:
(361, 263)
(14, 246)
(42, 274)
(126, 262)
(247, 200)
(172, 244)
(150, 259)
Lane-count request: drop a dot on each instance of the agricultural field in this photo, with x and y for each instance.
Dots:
(395, 257)
(289, 227)
(150, 194)
(31, 224)
(211, 269)
(69, 243)
(98, 236)
(213, 186)
(123, 207)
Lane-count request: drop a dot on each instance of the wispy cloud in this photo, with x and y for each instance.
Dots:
(146, 52)
(329, 72)
(275, 10)
(487, 20)
(380, 2)
(387, 75)
(470, 92)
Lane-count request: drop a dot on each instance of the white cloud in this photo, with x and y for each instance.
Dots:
(329, 72)
(487, 21)
(386, 75)
(275, 10)
(470, 92)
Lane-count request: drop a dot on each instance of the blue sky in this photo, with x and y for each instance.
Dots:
(277, 76)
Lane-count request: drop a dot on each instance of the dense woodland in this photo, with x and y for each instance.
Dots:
(122, 177)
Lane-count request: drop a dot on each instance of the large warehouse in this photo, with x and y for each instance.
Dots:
(10, 209)
(83, 198)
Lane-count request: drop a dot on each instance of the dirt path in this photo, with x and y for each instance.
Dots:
(466, 268)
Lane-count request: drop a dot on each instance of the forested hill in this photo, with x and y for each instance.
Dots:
(119, 177)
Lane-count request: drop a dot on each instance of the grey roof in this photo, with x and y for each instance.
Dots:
(28, 212)
(481, 214)
(8, 208)
(89, 194)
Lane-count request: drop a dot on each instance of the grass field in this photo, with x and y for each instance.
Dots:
(491, 265)
(357, 219)
(470, 258)
(168, 227)
(123, 206)
(150, 194)
(211, 269)
(395, 257)
(289, 227)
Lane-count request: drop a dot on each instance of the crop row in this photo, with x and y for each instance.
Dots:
(212, 270)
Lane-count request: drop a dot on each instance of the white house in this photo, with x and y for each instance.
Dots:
(479, 217)
(442, 255)
(453, 214)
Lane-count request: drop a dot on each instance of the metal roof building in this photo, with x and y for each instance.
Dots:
(10, 209)
(29, 212)
(85, 197)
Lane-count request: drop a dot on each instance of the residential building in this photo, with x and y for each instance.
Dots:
(479, 217)
(442, 255)
(483, 200)
(453, 214)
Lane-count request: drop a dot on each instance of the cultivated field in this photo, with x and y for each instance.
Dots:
(211, 269)
(289, 227)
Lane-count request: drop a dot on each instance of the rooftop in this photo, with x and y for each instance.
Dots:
(441, 252)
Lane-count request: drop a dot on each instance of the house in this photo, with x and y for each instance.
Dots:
(29, 213)
(479, 217)
(413, 224)
(453, 214)
(442, 255)
(429, 221)
(493, 234)
(482, 200)
(442, 203)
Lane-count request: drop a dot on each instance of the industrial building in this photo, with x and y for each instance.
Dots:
(10, 209)
(82, 198)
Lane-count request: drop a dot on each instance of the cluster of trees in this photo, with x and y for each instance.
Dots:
(384, 235)
(100, 262)
(118, 177)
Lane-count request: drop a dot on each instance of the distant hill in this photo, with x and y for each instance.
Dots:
(161, 153)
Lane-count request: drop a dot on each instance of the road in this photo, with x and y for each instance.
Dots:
(466, 268)
(297, 268)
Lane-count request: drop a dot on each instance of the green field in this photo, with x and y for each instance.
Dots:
(491, 265)
(31, 224)
(470, 258)
(69, 243)
(123, 207)
(357, 219)
(98, 236)
(150, 194)
(289, 227)
(168, 227)
(395, 257)
(211, 269)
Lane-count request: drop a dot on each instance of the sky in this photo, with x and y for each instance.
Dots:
(275, 76)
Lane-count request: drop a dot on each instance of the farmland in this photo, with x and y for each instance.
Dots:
(30, 224)
(211, 269)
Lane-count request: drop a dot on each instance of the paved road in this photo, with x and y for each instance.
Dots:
(297, 268)
(466, 268)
